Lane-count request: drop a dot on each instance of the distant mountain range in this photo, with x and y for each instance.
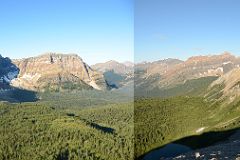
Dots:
(197, 75)
(209, 76)
(117, 67)
(59, 72)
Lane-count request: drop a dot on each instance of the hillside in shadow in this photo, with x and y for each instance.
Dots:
(16, 95)
(193, 143)
(9, 71)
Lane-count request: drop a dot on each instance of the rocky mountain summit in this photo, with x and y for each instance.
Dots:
(52, 71)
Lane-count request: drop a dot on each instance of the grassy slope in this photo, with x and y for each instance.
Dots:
(193, 87)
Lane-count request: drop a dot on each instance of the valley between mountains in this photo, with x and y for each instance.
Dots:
(56, 106)
(194, 103)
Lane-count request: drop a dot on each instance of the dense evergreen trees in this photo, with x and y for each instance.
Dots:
(46, 131)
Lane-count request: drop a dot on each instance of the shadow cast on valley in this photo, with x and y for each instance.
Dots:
(191, 143)
(17, 95)
(206, 139)
(97, 126)
(102, 128)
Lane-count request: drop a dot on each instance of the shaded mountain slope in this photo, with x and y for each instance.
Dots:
(118, 75)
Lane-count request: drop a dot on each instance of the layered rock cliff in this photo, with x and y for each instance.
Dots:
(54, 71)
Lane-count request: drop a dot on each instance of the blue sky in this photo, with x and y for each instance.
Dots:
(98, 30)
(183, 28)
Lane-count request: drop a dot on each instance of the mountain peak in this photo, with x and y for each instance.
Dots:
(227, 53)
(202, 58)
(117, 67)
(54, 54)
(128, 63)
(112, 61)
(52, 57)
(54, 69)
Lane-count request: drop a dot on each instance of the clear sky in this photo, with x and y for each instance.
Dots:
(182, 28)
(98, 30)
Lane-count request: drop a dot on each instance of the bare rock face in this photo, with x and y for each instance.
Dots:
(55, 72)
(226, 87)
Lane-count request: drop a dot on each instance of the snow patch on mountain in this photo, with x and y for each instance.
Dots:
(12, 75)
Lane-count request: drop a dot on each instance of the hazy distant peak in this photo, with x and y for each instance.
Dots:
(227, 53)
(169, 61)
(128, 63)
(112, 62)
(117, 67)
(205, 57)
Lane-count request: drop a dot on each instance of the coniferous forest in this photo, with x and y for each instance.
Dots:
(52, 129)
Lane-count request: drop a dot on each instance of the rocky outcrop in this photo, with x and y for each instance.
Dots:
(226, 87)
(56, 72)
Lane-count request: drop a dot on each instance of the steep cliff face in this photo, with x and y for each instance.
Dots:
(53, 71)
(8, 71)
